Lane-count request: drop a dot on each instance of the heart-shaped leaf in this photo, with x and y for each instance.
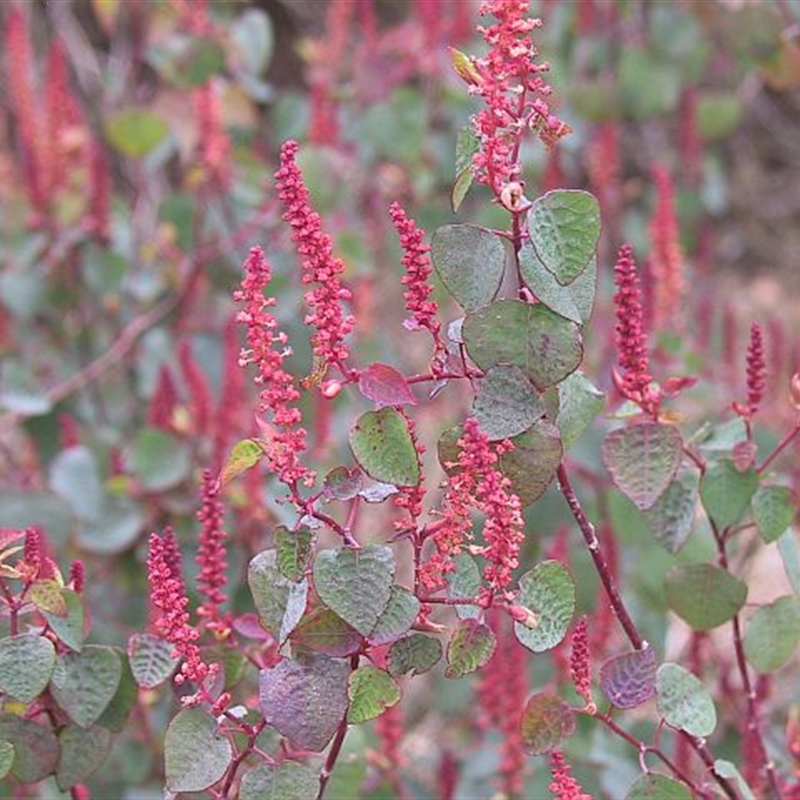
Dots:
(196, 755)
(548, 591)
(671, 518)
(82, 752)
(71, 628)
(643, 459)
(355, 583)
(36, 748)
(507, 404)
(305, 701)
(371, 692)
(564, 228)
(533, 462)
(546, 722)
(26, 664)
(382, 445)
(772, 634)
(84, 683)
(416, 654)
(628, 680)
(470, 262)
(773, 511)
(151, 659)
(322, 631)
(342, 483)
(470, 648)
(684, 702)
(545, 346)
(704, 595)
(385, 386)
(726, 492)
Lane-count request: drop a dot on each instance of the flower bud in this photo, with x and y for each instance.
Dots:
(331, 388)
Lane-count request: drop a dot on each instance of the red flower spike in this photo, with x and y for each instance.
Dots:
(756, 369)
(168, 596)
(267, 348)
(161, 409)
(77, 576)
(211, 558)
(666, 262)
(214, 145)
(320, 267)
(511, 85)
(631, 338)
(418, 266)
(564, 786)
(580, 661)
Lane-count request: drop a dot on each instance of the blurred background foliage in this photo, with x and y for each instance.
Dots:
(137, 144)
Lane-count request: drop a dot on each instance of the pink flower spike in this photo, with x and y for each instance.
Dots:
(564, 786)
(320, 267)
(418, 266)
(211, 558)
(267, 347)
(579, 661)
(168, 596)
(631, 338)
(756, 369)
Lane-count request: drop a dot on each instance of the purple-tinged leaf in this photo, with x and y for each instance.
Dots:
(546, 722)
(322, 631)
(469, 649)
(36, 748)
(628, 680)
(305, 701)
(385, 386)
(643, 459)
(533, 462)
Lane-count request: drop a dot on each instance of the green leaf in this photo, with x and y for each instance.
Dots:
(684, 702)
(643, 459)
(342, 483)
(6, 758)
(288, 781)
(245, 455)
(726, 492)
(564, 228)
(533, 462)
(356, 583)
(135, 132)
(383, 447)
(772, 634)
(46, 596)
(280, 603)
(151, 659)
(399, 615)
(305, 701)
(543, 344)
(629, 679)
(464, 581)
(580, 401)
(26, 665)
(416, 654)
(82, 753)
(671, 519)
(549, 592)
(75, 477)
(704, 595)
(725, 769)
(470, 648)
(773, 511)
(787, 547)
(36, 748)
(69, 629)
(84, 683)
(574, 301)
(293, 551)
(254, 37)
(158, 460)
(322, 631)
(718, 114)
(371, 692)
(507, 404)
(470, 262)
(546, 722)
(653, 786)
(196, 756)
(117, 712)
(20, 392)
